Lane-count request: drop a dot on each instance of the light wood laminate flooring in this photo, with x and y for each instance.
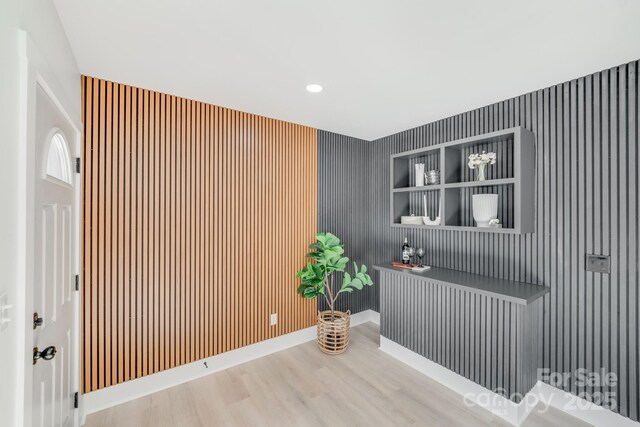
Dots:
(301, 386)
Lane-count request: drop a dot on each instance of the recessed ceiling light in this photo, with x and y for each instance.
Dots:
(314, 88)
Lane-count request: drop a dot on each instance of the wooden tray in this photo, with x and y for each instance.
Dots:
(401, 265)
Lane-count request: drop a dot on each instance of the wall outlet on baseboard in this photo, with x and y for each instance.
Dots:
(273, 319)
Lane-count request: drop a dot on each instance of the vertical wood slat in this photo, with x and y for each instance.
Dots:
(178, 197)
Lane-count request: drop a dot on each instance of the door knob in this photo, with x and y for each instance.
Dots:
(46, 354)
(37, 320)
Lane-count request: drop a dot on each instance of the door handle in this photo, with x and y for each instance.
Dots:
(37, 320)
(46, 354)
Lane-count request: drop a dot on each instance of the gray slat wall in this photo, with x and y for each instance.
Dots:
(482, 338)
(586, 202)
(343, 206)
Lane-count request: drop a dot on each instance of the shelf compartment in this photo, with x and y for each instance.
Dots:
(459, 205)
(457, 158)
(411, 203)
(404, 167)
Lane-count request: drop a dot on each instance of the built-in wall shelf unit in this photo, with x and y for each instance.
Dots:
(448, 202)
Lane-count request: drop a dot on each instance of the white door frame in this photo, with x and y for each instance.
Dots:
(35, 72)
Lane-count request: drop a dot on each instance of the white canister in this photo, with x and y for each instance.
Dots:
(419, 174)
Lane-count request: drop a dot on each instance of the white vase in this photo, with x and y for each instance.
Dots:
(481, 172)
(419, 174)
(485, 208)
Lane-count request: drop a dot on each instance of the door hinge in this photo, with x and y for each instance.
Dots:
(77, 164)
(76, 396)
(77, 282)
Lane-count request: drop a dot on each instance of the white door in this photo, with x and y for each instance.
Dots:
(54, 278)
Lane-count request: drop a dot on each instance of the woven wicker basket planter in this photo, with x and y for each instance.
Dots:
(333, 334)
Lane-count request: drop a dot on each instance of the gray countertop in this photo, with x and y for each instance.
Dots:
(508, 290)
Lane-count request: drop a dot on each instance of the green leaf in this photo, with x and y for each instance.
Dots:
(346, 280)
(356, 283)
(332, 240)
(341, 263)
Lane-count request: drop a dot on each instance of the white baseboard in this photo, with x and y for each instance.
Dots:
(513, 413)
(472, 392)
(374, 317)
(121, 393)
(581, 408)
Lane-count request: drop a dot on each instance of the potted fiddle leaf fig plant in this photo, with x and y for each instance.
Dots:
(318, 278)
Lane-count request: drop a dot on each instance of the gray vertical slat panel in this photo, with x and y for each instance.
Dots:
(622, 232)
(426, 318)
(500, 363)
(484, 334)
(579, 225)
(597, 220)
(632, 301)
(564, 232)
(343, 207)
(614, 237)
(586, 202)
(588, 208)
(605, 192)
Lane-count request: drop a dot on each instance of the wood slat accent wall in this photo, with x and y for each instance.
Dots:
(195, 220)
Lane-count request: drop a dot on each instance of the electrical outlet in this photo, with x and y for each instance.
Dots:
(274, 319)
(598, 263)
(4, 311)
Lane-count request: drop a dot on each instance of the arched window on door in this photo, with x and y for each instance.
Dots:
(58, 160)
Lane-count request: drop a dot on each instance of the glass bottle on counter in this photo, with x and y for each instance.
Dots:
(405, 251)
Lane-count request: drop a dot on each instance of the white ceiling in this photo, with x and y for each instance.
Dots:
(386, 65)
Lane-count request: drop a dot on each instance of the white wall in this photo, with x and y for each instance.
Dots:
(40, 20)
(9, 18)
